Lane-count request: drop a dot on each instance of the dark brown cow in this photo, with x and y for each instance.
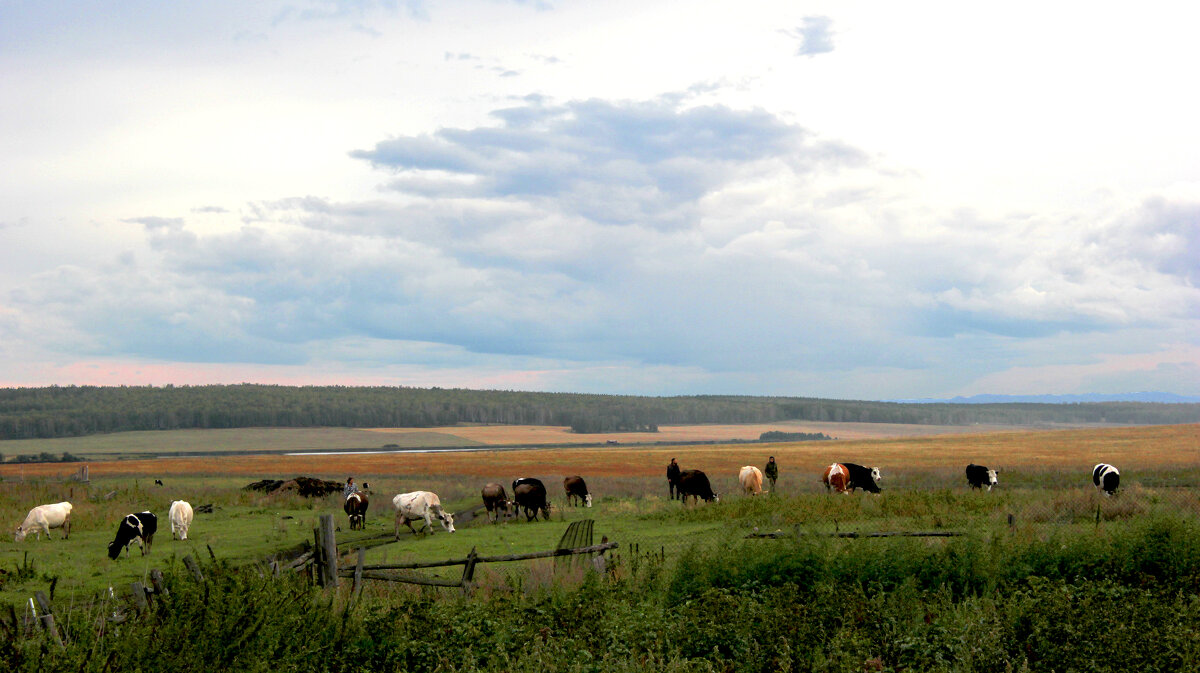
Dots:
(577, 489)
(530, 496)
(356, 508)
(695, 483)
(497, 502)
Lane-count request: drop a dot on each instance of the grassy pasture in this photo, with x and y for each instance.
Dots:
(1045, 484)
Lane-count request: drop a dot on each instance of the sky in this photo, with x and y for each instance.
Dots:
(864, 200)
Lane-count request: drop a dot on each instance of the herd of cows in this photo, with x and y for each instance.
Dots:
(529, 497)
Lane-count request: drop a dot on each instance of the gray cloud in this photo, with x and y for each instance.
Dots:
(617, 163)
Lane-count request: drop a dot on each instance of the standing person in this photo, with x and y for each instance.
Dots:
(673, 478)
(351, 487)
(772, 472)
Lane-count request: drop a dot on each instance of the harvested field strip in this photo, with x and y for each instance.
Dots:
(1145, 446)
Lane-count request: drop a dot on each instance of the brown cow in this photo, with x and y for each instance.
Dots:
(497, 503)
(577, 489)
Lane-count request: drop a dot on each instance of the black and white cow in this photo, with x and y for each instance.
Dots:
(1106, 478)
(979, 476)
(140, 528)
(866, 478)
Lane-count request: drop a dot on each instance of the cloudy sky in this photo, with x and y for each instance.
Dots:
(865, 200)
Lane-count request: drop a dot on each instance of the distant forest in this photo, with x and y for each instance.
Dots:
(71, 411)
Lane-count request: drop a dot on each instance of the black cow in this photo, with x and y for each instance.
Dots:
(979, 475)
(1106, 478)
(866, 478)
(139, 527)
(530, 496)
(695, 483)
(576, 488)
(356, 508)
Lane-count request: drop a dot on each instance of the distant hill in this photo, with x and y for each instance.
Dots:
(1090, 398)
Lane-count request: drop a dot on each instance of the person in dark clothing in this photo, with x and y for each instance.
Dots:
(771, 472)
(673, 478)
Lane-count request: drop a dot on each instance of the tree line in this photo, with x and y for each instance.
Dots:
(71, 411)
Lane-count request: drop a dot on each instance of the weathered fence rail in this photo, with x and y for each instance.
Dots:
(853, 534)
(359, 571)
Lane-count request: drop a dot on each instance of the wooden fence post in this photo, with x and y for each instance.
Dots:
(468, 576)
(328, 553)
(156, 581)
(362, 557)
(193, 566)
(47, 618)
(139, 597)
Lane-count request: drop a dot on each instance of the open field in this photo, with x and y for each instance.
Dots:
(270, 440)
(1045, 480)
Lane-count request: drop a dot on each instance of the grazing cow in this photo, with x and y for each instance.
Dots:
(979, 475)
(846, 477)
(673, 479)
(356, 508)
(695, 483)
(576, 488)
(180, 516)
(497, 503)
(42, 518)
(530, 496)
(419, 505)
(1106, 478)
(158, 482)
(139, 528)
(751, 479)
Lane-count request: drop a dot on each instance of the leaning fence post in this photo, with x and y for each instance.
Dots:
(362, 557)
(468, 575)
(328, 552)
(47, 618)
(193, 566)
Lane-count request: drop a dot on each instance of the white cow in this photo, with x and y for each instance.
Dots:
(751, 480)
(181, 518)
(420, 505)
(44, 517)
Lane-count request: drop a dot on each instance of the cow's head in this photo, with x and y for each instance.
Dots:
(587, 500)
(19, 535)
(992, 481)
(447, 520)
(875, 476)
(114, 549)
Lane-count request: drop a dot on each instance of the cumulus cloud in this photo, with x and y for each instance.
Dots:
(603, 243)
(647, 163)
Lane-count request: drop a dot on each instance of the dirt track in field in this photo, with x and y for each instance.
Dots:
(1142, 447)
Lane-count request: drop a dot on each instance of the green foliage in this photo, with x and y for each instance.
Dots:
(781, 436)
(71, 411)
(1010, 604)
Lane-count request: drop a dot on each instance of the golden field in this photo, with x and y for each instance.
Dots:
(1143, 447)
